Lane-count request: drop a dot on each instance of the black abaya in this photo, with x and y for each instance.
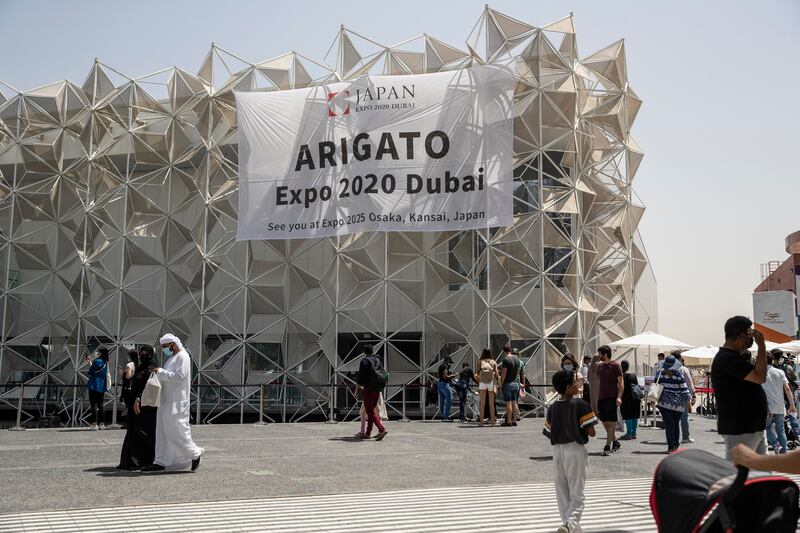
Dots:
(139, 447)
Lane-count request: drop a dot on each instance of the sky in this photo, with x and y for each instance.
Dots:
(719, 124)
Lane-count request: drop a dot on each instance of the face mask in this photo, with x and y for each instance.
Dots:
(569, 367)
(750, 342)
(167, 351)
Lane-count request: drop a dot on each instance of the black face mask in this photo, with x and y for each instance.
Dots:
(750, 343)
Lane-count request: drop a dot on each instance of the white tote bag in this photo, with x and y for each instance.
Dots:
(151, 396)
(654, 394)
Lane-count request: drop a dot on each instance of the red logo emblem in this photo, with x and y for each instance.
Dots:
(338, 104)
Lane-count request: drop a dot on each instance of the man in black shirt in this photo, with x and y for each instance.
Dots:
(741, 401)
(369, 379)
(465, 377)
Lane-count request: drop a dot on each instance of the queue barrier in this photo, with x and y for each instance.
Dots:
(327, 399)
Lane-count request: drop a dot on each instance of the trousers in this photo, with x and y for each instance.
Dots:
(461, 389)
(776, 433)
(445, 399)
(570, 462)
(631, 426)
(96, 401)
(370, 403)
(755, 441)
(672, 420)
(685, 421)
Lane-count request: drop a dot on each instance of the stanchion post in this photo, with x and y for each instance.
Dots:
(19, 427)
(197, 410)
(405, 418)
(260, 406)
(423, 401)
(331, 391)
(114, 407)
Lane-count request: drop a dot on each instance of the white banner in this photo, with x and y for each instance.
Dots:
(775, 312)
(430, 152)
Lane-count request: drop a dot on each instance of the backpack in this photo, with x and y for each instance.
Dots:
(486, 374)
(379, 378)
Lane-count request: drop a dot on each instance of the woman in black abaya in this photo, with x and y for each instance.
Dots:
(139, 447)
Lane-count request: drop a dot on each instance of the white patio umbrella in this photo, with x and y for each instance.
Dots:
(791, 346)
(649, 339)
(702, 355)
(769, 345)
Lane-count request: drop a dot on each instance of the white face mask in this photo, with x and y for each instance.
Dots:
(569, 367)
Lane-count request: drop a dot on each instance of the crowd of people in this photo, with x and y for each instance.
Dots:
(755, 398)
(158, 437)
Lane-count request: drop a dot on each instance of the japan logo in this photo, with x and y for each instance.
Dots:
(338, 104)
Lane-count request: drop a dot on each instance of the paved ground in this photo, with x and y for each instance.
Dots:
(73, 469)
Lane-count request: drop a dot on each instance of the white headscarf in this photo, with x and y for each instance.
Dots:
(170, 338)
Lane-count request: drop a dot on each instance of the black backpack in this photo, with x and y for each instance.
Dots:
(379, 378)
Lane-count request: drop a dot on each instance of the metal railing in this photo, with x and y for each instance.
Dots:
(268, 402)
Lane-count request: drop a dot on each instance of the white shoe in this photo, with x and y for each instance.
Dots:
(688, 440)
(102, 426)
(563, 529)
(92, 428)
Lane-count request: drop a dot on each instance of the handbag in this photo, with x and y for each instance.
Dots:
(151, 395)
(654, 394)
(637, 393)
(521, 393)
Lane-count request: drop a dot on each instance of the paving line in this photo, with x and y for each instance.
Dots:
(436, 498)
(532, 508)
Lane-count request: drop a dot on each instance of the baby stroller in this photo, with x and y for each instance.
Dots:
(791, 436)
(694, 490)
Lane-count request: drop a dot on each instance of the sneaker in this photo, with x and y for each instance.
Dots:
(196, 462)
(688, 440)
(93, 428)
(627, 437)
(606, 451)
(102, 426)
(615, 446)
(381, 435)
(563, 529)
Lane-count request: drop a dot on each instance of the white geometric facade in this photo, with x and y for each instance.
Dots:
(118, 209)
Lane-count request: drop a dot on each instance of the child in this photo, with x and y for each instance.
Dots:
(569, 424)
(380, 409)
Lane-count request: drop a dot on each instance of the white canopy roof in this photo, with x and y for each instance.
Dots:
(768, 344)
(791, 346)
(706, 352)
(649, 338)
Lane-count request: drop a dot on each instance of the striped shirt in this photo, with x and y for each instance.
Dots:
(675, 392)
(567, 421)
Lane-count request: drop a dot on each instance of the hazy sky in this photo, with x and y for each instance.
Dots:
(719, 126)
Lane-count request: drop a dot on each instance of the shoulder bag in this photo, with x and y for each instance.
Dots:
(654, 394)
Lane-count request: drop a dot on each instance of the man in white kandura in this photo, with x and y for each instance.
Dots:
(175, 449)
